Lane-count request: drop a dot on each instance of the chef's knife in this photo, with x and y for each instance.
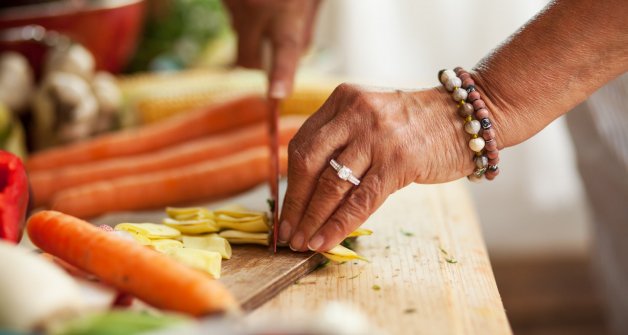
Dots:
(273, 175)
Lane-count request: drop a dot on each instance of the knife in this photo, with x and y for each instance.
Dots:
(273, 175)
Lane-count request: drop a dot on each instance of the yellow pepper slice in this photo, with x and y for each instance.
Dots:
(341, 254)
(192, 226)
(165, 245)
(251, 224)
(208, 261)
(209, 242)
(149, 230)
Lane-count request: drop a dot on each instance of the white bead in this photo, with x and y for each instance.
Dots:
(452, 83)
(447, 74)
(460, 94)
(477, 144)
(472, 127)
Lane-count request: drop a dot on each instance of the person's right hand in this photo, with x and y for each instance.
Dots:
(286, 24)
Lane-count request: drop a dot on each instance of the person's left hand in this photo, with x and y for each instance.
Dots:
(388, 138)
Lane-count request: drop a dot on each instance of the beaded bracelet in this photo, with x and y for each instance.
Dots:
(472, 108)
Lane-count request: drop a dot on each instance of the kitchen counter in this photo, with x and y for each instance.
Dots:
(429, 271)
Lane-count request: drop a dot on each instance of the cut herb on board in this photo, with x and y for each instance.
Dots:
(448, 258)
(407, 233)
(376, 287)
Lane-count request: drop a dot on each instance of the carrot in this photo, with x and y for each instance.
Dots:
(178, 129)
(202, 181)
(46, 183)
(128, 266)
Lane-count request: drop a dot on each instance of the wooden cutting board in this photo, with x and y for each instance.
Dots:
(253, 274)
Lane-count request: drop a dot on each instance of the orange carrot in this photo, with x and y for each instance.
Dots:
(178, 129)
(46, 183)
(202, 181)
(129, 266)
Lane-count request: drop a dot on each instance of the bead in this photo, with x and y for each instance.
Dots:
(467, 84)
(472, 128)
(486, 123)
(452, 83)
(474, 96)
(488, 134)
(492, 154)
(465, 75)
(493, 161)
(490, 175)
(459, 94)
(481, 113)
(465, 110)
(481, 161)
(491, 145)
(472, 177)
(479, 104)
(445, 75)
(492, 168)
(479, 172)
(476, 144)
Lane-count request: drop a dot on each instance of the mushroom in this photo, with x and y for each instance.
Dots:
(16, 81)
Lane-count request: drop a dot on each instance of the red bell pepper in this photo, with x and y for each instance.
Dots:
(13, 196)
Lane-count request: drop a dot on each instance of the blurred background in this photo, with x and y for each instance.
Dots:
(535, 222)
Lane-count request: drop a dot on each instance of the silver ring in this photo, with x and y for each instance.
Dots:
(344, 172)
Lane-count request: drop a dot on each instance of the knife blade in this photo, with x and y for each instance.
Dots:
(273, 175)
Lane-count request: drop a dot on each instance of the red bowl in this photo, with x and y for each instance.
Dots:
(108, 28)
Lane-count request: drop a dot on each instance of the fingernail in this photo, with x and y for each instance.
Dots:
(278, 89)
(284, 231)
(316, 242)
(297, 241)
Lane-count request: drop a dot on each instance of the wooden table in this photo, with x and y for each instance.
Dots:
(429, 272)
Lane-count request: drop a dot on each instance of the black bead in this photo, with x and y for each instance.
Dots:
(486, 123)
(470, 88)
(493, 168)
(440, 73)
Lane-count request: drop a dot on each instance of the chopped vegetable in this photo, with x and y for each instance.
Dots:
(208, 261)
(376, 287)
(165, 245)
(151, 276)
(341, 254)
(189, 213)
(239, 237)
(361, 232)
(252, 223)
(209, 242)
(199, 226)
(149, 230)
(407, 233)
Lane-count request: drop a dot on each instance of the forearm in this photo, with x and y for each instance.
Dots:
(556, 61)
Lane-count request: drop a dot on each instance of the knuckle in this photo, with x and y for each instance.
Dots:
(342, 226)
(330, 187)
(299, 162)
(365, 199)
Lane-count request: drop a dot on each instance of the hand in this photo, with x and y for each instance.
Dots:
(388, 138)
(287, 24)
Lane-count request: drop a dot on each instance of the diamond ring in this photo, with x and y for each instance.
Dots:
(344, 172)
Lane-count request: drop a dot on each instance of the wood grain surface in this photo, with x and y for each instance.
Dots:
(429, 272)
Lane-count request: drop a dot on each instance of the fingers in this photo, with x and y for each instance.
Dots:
(287, 50)
(306, 161)
(328, 195)
(357, 207)
(250, 45)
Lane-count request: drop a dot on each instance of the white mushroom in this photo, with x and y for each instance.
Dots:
(16, 81)
(73, 58)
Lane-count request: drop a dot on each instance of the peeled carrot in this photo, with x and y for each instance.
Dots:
(178, 129)
(202, 181)
(46, 183)
(128, 266)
